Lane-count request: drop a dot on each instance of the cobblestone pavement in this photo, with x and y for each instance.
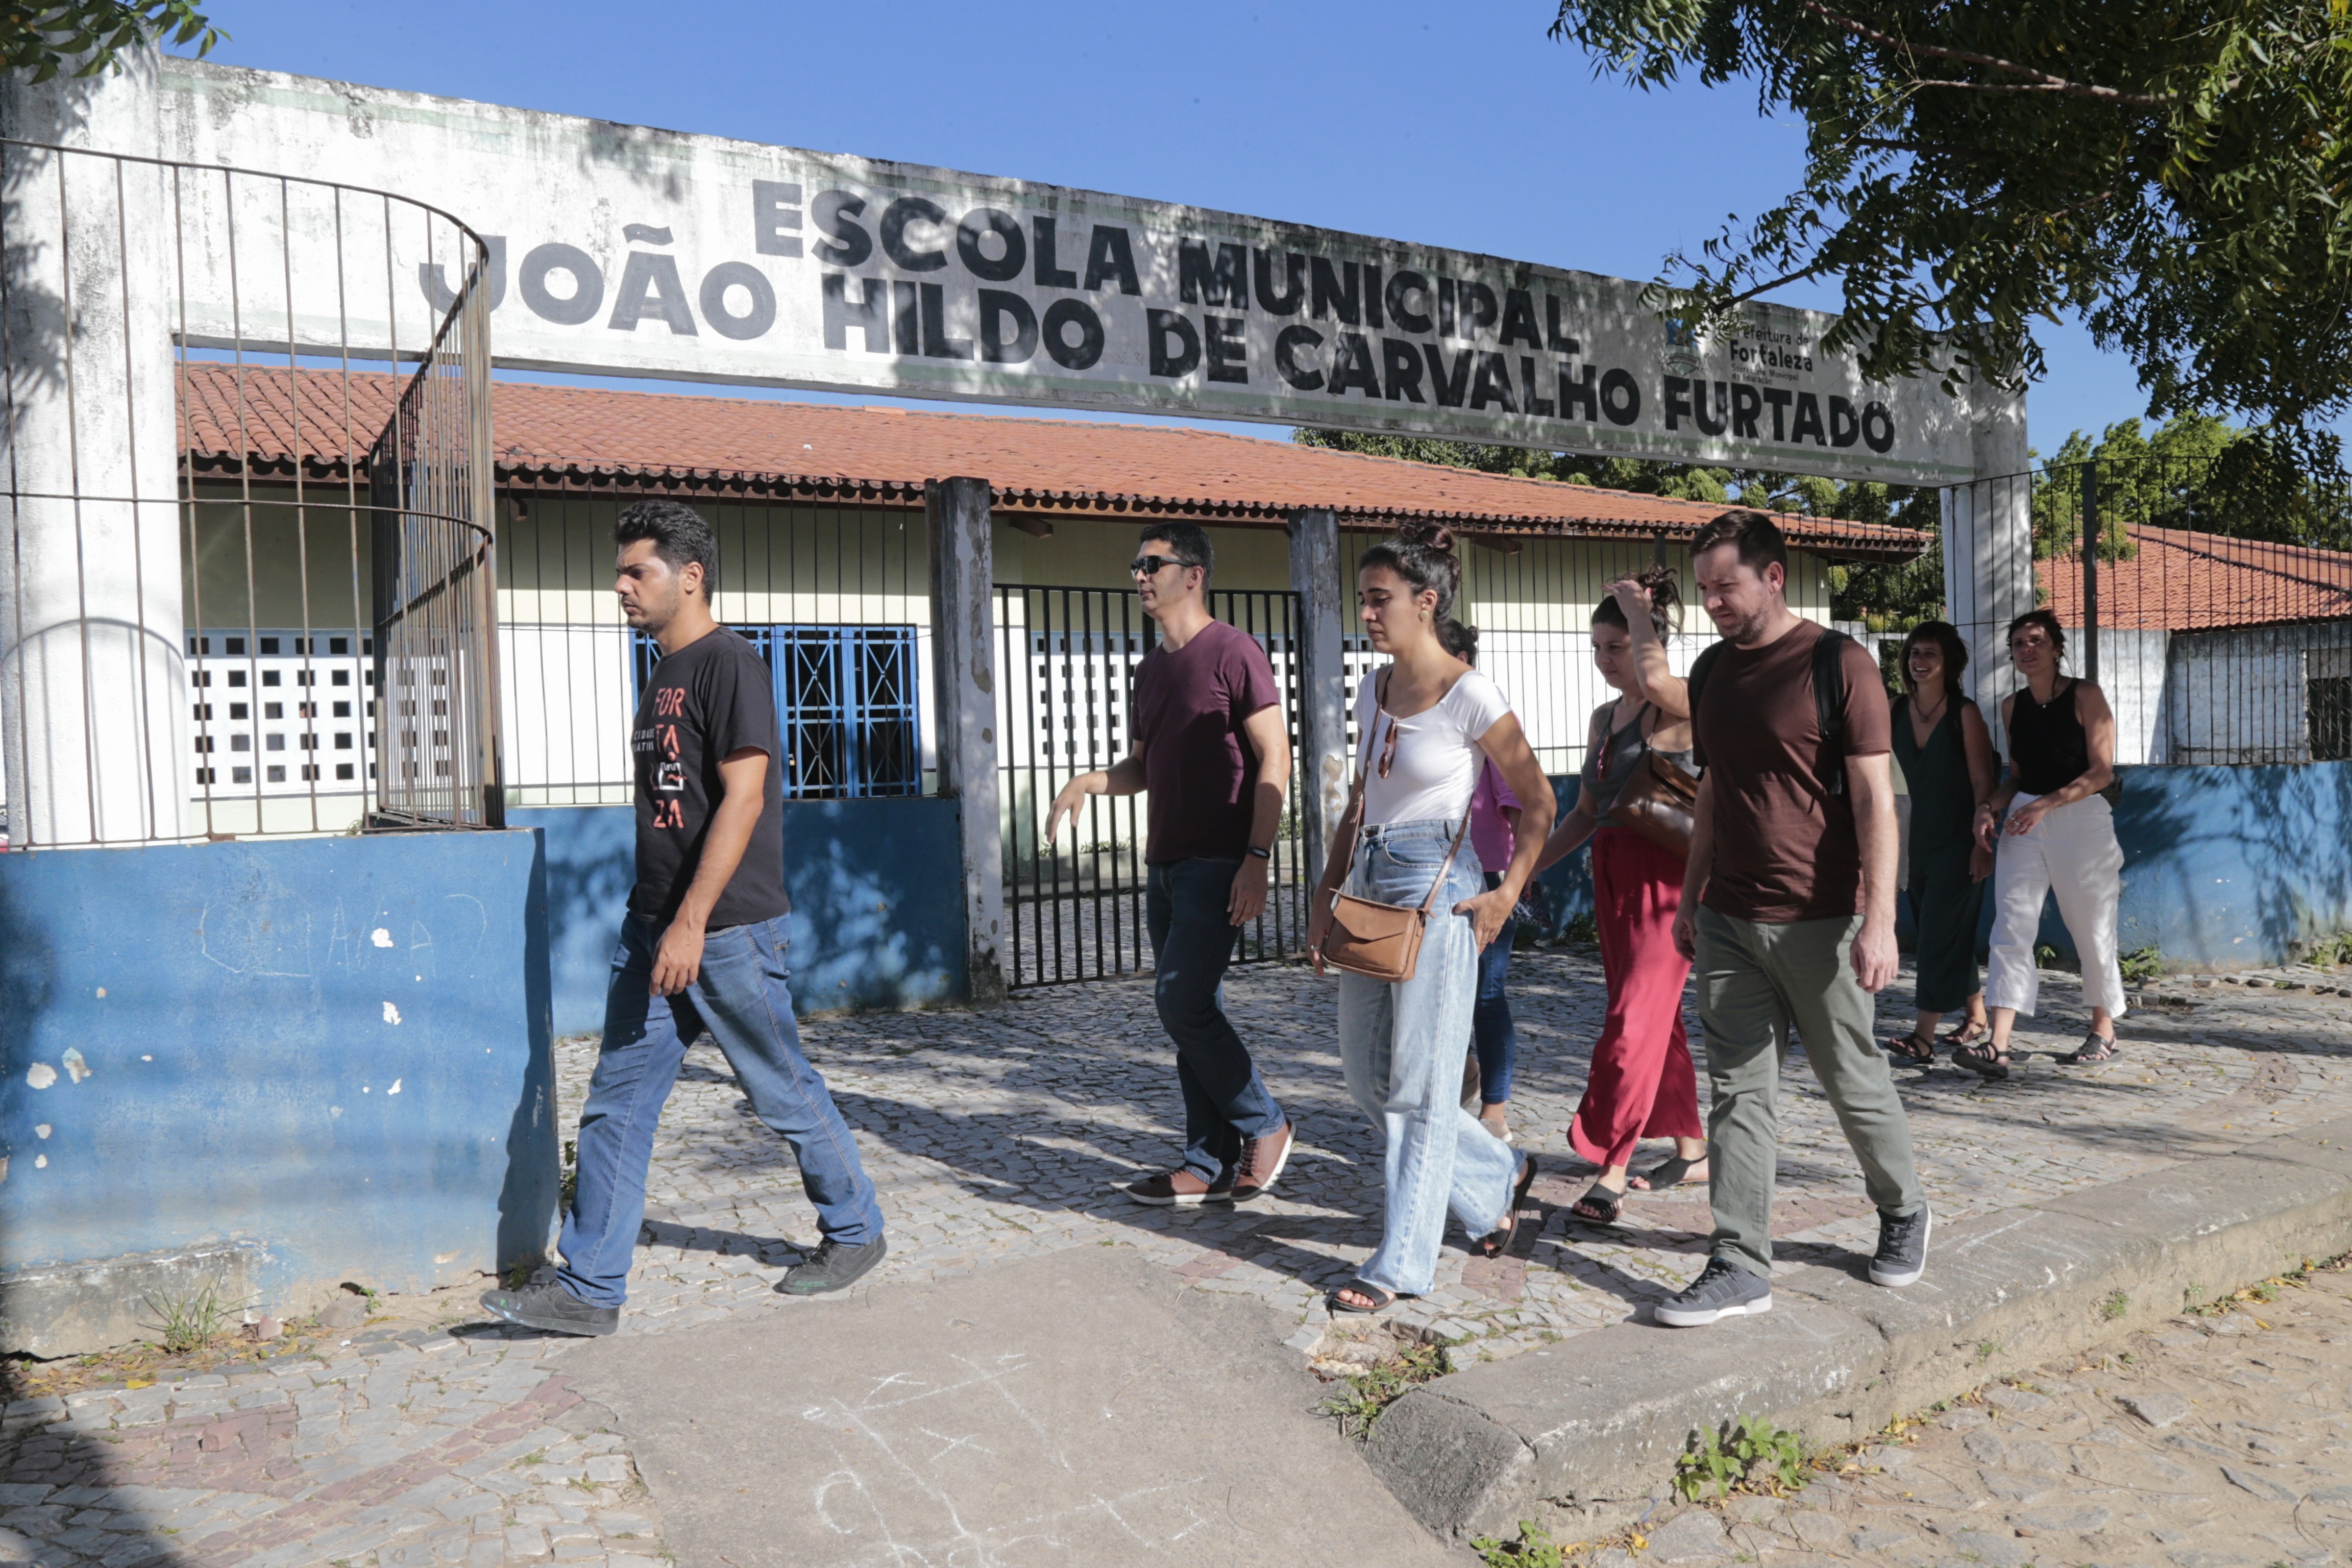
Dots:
(999, 1134)
(2220, 1442)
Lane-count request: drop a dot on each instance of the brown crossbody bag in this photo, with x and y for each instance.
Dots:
(1381, 942)
(1660, 801)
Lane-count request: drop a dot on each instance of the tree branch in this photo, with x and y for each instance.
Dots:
(2043, 81)
(2064, 89)
(1803, 272)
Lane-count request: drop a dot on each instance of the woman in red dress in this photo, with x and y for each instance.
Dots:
(1642, 1083)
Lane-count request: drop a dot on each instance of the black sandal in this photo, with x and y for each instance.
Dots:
(1495, 1243)
(2095, 1049)
(1599, 1205)
(1967, 1034)
(1911, 1050)
(1382, 1300)
(1982, 1061)
(1667, 1173)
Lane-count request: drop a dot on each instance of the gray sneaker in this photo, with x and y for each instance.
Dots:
(552, 1306)
(831, 1267)
(1902, 1255)
(1721, 1290)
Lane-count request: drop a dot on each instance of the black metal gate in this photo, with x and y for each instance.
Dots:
(1067, 658)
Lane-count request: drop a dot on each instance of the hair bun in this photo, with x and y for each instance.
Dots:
(1427, 535)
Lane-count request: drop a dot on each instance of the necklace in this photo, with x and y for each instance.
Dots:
(1941, 703)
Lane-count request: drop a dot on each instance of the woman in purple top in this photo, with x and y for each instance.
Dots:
(1494, 829)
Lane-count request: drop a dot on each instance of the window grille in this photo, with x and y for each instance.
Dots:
(847, 703)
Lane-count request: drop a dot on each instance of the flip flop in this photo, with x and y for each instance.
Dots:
(1497, 1242)
(1383, 1299)
(1667, 1173)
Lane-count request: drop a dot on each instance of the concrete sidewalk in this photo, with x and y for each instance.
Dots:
(1083, 1409)
(997, 1139)
(1593, 1429)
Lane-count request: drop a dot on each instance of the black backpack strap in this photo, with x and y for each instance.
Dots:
(1696, 680)
(1829, 707)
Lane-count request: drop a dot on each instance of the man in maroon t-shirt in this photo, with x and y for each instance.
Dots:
(1209, 747)
(1788, 906)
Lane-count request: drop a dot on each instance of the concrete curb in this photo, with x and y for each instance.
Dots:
(1595, 1422)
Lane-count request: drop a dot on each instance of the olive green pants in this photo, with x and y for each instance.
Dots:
(1757, 979)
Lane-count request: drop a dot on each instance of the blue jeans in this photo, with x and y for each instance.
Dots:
(1490, 1020)
(1193, 941)
(1403, 1045)
(741, 997)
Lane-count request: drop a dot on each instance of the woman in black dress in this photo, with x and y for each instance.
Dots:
(1947, 755)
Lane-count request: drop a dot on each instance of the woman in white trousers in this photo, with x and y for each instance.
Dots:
(2060, 837)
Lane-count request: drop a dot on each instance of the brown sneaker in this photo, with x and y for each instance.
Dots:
(1262, 1160)
(1177, 1188)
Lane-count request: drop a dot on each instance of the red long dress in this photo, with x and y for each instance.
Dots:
(1643, 1083)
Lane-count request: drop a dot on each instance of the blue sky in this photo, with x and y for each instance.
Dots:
(1460, 126)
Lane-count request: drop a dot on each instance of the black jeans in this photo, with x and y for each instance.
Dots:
(1193, 941)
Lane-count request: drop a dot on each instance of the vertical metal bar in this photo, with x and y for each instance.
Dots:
(139, 651)
(308, 676)
(73, 470)
(192, 506)
(2090, 572)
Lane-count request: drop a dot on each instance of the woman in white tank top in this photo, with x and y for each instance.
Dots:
(1427, 723)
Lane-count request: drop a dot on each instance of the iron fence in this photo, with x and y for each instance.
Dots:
(1066, 658)
(834, 597)
(221, 552)
(2209, 595)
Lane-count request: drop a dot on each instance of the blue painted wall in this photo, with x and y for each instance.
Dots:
(2223, 868)
(1567, 887)
(2226, 868)
(878, 921)
(338, 1047)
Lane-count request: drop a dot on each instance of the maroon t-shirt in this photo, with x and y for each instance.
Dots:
(1785, 848)
(1197, 764)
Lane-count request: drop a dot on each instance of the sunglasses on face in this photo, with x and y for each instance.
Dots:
(1151, 565)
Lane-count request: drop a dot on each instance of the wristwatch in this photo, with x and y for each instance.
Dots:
(1260, 854)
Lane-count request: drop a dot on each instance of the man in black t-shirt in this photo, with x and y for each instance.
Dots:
(702, 946)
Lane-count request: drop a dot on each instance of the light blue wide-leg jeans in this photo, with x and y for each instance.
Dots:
(1404, 1043)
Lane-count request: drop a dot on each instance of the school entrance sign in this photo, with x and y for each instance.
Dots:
(623, 250)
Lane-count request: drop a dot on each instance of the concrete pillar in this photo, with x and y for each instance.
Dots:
(964, 688)
(1315, 573)
(95, 724)
(1989, 546)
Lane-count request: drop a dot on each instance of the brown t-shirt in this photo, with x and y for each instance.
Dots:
(1784, 849)
(1201, 775)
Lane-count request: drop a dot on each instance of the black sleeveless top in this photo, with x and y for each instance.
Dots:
(2046, 743)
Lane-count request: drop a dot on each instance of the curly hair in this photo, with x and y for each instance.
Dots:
(1666, 603)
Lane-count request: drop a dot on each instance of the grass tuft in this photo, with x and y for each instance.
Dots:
(1359, 1405)
(187, 1323)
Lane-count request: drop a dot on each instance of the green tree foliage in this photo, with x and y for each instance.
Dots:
(1886, 596)
(2179, 172)
(2195, 472)
(91, 35)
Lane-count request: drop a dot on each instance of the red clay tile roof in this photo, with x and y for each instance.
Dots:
(2180, 581)
(571, 437)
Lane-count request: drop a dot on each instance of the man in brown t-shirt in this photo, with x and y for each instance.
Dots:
(1789, 911)
(1210, 748)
